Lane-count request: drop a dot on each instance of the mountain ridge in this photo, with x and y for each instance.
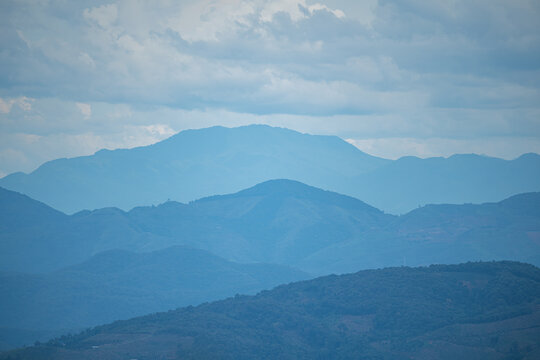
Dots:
(280, 221)
(198, 163)
(393, 313)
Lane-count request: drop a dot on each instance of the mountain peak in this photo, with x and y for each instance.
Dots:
(282, 189)
(280, 186)
(218, 160)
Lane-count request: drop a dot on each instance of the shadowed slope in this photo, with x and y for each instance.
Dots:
(285, 222)
(509, 229)
(118, 284)
(280, 221)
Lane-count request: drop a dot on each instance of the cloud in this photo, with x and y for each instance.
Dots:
(376, 69)
(22, 102)
(85, 109)
(25, 152)
(103, 15)
(5, 105)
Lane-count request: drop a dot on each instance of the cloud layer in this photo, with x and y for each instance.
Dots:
(395, 77)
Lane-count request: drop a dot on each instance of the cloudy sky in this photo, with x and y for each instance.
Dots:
(393, 77)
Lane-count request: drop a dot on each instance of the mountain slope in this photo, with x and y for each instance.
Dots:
(31, 232)
(19, 211)
(284, 222)
(191, 165)
(278, 221)
(470, 311)
(198, 163)
(119, 284)
(35, 238)
(509, 229)
(409, 182)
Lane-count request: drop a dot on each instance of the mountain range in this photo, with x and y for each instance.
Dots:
(59, 272)
(197, 163)
(468, 311)
(280, 221)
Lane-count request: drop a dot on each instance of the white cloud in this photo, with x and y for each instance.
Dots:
(318, 7)
(24, 39)
(23, 102)
(25, 152)
(104, 15)
(86, 59)
(370, 69)
(5, 105)
(160, 130)
(361, 11)
(208, 20)
(85, 109)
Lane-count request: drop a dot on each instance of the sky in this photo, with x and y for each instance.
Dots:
(392, 77)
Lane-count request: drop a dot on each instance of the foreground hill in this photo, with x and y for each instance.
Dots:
(217, 160)
(119, 284)
(468, 311)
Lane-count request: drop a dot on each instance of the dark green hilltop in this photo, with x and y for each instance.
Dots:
(487, 310)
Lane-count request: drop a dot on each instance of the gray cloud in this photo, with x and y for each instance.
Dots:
(387, 69)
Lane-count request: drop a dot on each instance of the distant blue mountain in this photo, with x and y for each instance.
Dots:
(191, 165)
(281, 222)
(96, 266)
(409, 182)
(198, 163)
(509, 229)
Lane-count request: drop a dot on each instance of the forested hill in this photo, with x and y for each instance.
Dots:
(468, 311)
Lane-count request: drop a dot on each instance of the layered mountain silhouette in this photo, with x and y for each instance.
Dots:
(467, 311)
(60, 272)
(118, 284)
(198, 163)
(280, 221)
(509, 229)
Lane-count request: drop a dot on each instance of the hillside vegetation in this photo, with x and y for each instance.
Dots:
(467, 311)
